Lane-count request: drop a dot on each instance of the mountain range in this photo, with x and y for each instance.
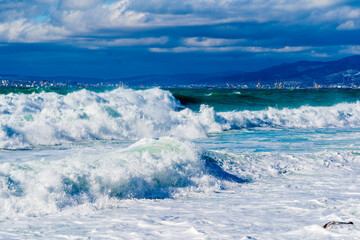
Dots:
(305, 73)
(345, 71)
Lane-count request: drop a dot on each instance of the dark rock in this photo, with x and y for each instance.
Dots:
(333, 224)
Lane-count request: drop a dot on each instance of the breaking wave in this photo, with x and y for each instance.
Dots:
(125, 114)
(148, 169)
(343, 115)
(122, 114)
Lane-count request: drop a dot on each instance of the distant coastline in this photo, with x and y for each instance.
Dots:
(343, 73)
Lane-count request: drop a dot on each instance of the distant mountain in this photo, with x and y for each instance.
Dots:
(175, 79)
(345, 71)
(342, 72)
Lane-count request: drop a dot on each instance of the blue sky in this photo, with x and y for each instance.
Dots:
(117, 38)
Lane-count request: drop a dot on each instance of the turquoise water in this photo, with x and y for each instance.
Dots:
(243, 99)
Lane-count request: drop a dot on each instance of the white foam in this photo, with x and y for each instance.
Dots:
(266, 165)
(337, 116)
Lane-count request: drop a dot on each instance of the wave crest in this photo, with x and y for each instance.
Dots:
(344, 115)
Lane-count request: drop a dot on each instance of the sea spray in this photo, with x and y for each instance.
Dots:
(343, 115)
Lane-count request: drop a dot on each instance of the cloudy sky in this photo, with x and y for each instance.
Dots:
(115, 38)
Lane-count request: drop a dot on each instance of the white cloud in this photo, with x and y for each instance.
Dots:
(135, 41)
(122, 42)
(176, 50)
(47, 1)
(24, 31)
(209, 42)
(351, 49)
(319, 54)
(77, 4)
(103, 16)
(252, 49)
(341, 13)
(348, 25)
(89, 17)
(275, 50)
(295, 5)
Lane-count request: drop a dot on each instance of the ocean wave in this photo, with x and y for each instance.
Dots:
(260, 166)
(148, 169)
(343, 115)
(121, 114)
(125, 114)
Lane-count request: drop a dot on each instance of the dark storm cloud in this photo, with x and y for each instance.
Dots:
(114, 37)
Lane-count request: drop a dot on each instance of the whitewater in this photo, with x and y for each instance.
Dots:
(179, 164)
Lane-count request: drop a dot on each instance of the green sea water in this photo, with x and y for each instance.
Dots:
(254, 99)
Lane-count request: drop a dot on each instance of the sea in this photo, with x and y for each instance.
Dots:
(179, 163)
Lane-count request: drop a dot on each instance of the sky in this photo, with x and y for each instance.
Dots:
(122, 38)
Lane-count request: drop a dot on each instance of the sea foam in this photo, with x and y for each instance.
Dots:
(343, 115)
